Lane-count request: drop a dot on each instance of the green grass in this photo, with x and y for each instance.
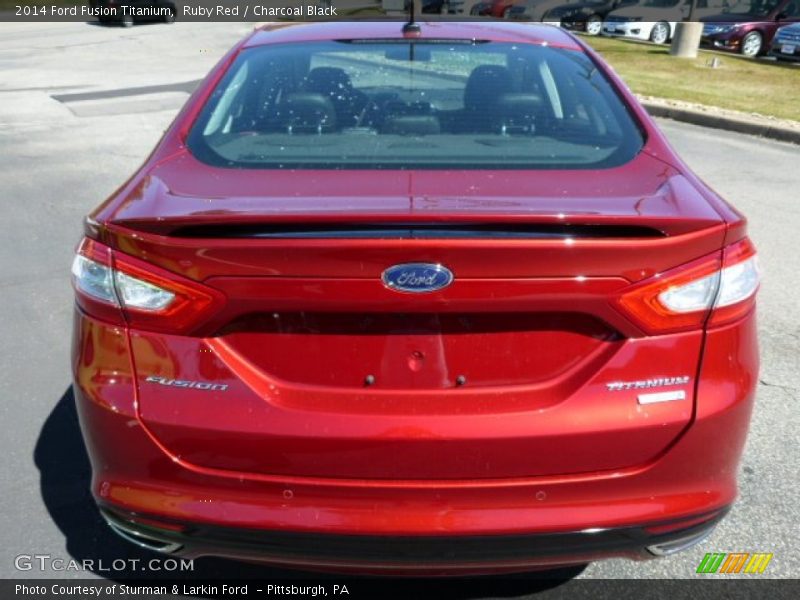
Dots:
(753, 86)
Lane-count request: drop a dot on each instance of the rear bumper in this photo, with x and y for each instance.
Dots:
(724, 42)
(548, 520)
(417, 554)
(778, 53)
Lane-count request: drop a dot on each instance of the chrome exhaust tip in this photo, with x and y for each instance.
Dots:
(146, 541)
(680, 544)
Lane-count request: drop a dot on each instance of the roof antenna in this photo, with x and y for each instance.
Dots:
(412, 26)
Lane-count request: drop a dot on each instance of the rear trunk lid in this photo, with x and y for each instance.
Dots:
(328, 373)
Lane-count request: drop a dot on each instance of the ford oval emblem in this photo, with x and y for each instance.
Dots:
(417, 278)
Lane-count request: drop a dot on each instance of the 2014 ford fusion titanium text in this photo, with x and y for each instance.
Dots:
(431, 302)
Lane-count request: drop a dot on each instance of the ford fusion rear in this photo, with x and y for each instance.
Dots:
(430, 302)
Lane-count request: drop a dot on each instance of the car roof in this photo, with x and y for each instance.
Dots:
(496, 31)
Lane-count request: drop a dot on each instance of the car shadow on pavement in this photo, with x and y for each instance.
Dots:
(65, 473)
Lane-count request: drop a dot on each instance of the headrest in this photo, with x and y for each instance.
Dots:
(485, 84)
(517, 104)
(412, 125)
(328, 81)
(305, 112)
(517, 113)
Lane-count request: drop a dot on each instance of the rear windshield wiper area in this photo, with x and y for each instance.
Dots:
(414, 231)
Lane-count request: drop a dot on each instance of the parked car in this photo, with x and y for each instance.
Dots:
(537, 10)
(493, 8)
(383, 303)
(652, 20)
(748, 26)
(786, 43)
(128, 12)
(586, 15)
(589, 16)
(438, 6)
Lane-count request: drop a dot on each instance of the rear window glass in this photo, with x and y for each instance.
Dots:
(414, 105)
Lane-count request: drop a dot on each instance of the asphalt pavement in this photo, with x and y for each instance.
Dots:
(80, 108)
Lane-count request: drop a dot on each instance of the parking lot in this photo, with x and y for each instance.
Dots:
(80, 108)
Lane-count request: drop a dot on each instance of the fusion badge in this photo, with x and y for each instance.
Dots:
(183, 383)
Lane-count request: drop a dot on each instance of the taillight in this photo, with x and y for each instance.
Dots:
(713, 289)
(119, 288)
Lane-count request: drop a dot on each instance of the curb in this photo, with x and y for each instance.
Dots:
(697, 116)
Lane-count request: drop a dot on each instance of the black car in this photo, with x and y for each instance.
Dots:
(544, 10)
(586, 16)
(437, 7)
(786, 43)
(532, 10)
(128, 12)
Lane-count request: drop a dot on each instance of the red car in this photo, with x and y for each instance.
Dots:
(433, 302)
(494, 8)
(748, 26)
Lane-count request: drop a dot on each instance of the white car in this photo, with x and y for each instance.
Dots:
(655, 20)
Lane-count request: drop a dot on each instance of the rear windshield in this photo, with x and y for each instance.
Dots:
(414, 105)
